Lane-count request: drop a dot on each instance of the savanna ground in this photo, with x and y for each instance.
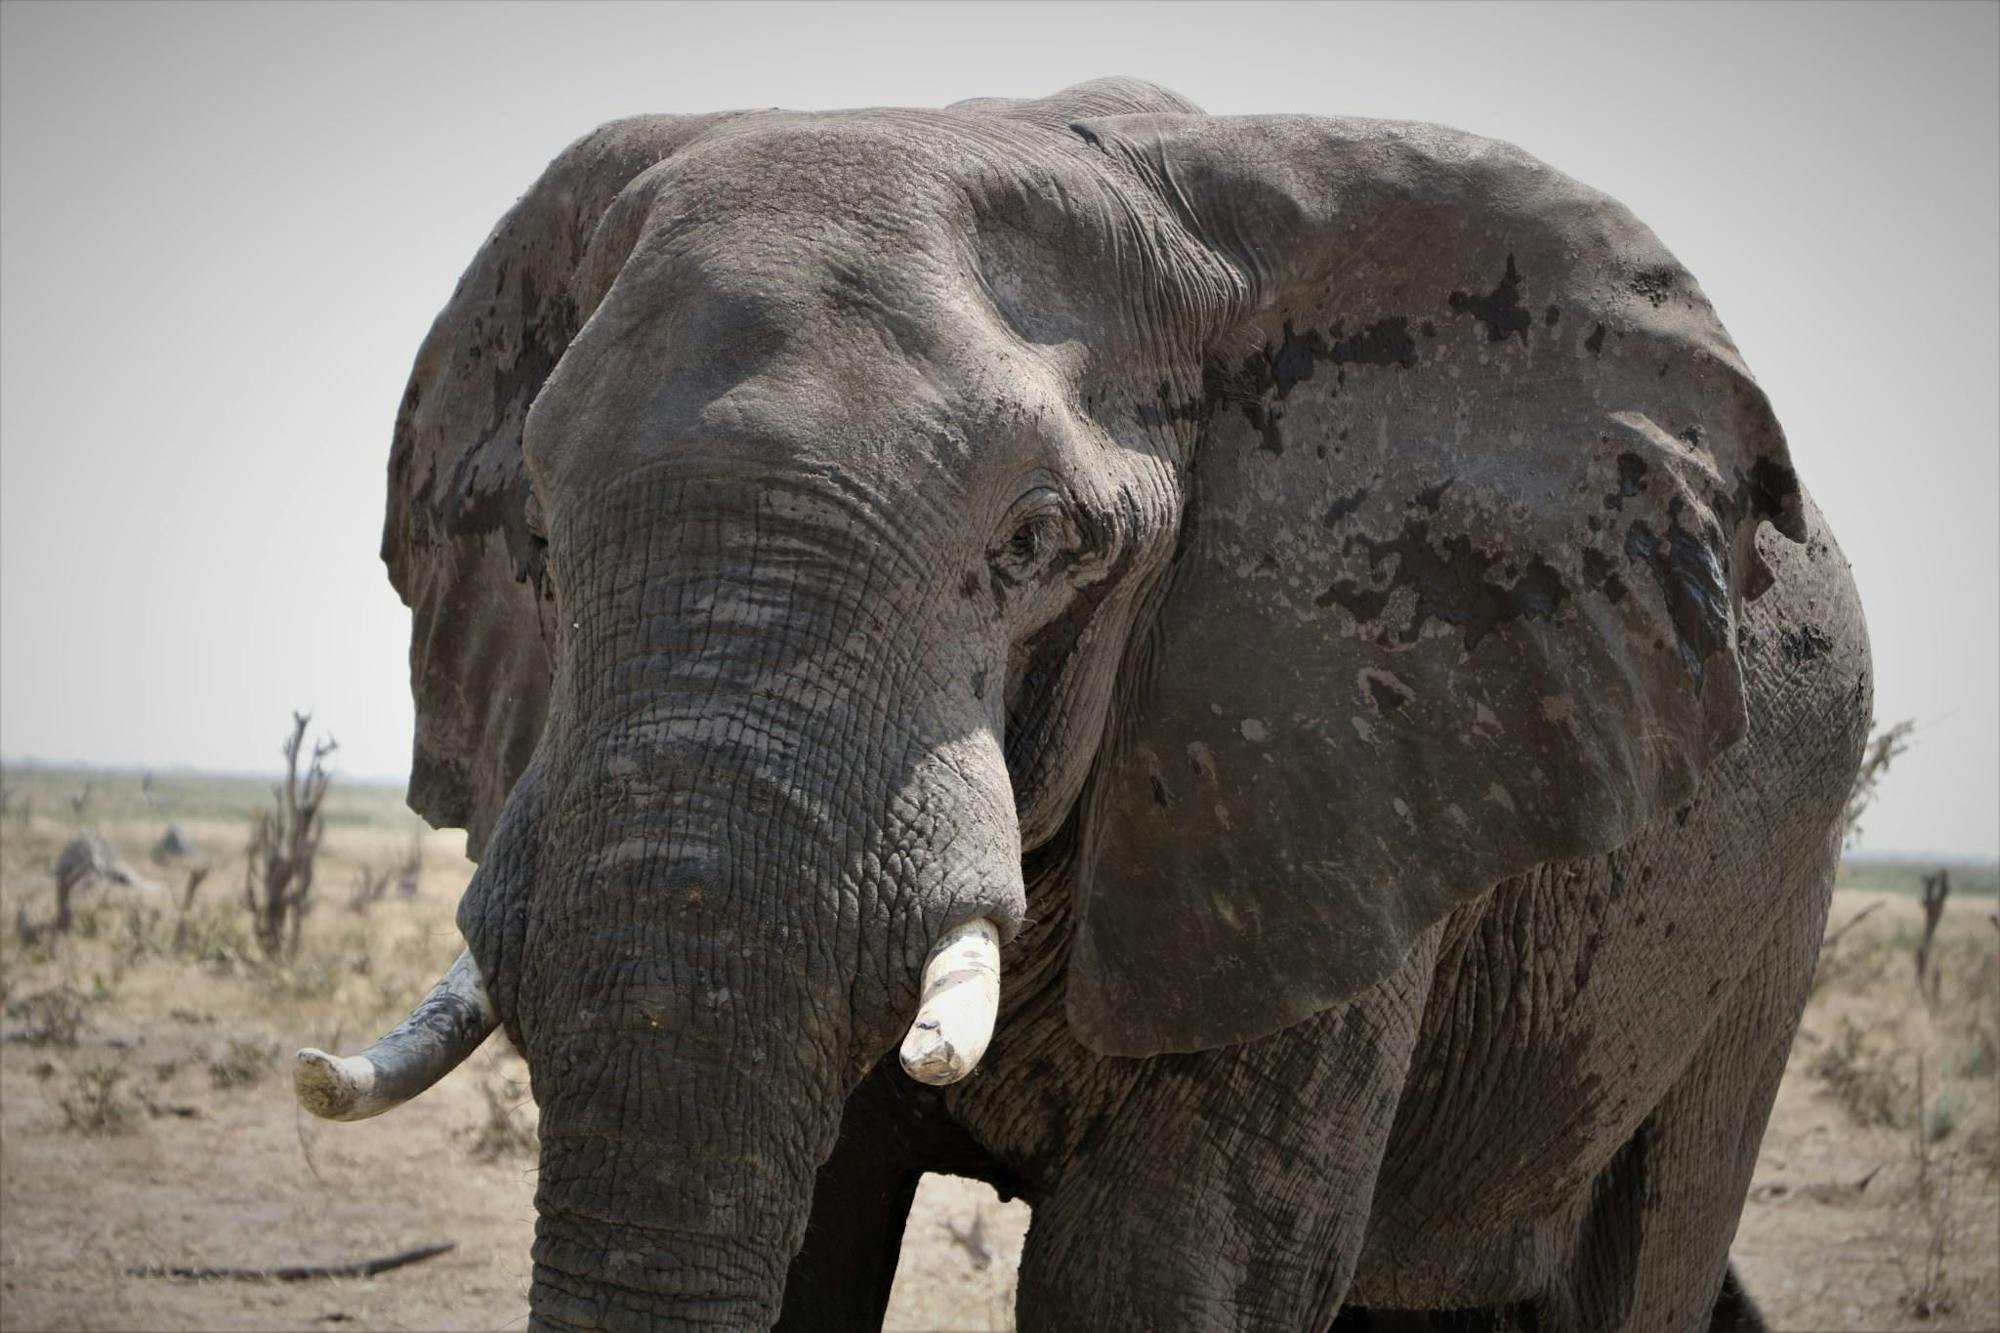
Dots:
(146, 1114)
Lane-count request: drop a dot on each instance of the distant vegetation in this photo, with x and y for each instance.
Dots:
(121, 795)
(1973, 879)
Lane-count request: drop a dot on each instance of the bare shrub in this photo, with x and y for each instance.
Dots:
(1978, 1056)
(96, 1102)
(1885, 746)
(196, 874)
(241, 1063)
(1937, 888)
(509, 1129)
(370, 886)
(220, 942)
(1927, 1272)
(284, 844)
(371, 883)
(53, 1017)
(1941, 1114)
(1927, 1288)
(1870, 1092)
(1834, 967)
(410, 874)
(142, 936)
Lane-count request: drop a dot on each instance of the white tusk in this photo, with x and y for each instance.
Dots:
(453, 1019)
(960, 1001)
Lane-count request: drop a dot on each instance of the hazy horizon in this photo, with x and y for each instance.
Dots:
(224, 230)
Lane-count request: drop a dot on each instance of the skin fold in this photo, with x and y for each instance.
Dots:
(1327, 591)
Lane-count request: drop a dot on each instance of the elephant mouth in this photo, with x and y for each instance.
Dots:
(953, 1026)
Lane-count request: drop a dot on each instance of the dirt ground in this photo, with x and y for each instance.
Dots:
(146, 1116)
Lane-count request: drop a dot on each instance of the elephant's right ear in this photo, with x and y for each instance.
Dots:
(1466, 531)
(459, 539)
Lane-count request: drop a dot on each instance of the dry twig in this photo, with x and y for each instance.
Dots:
(298, 1272)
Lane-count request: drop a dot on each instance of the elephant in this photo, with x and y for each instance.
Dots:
(1282, 662)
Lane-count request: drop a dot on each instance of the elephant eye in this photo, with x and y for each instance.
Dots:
(1037, 529)
(1029, 541)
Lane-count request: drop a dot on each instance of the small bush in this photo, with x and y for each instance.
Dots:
(219, 942)
(1926, 1261)
(1871, 1092)
(96, 1102)
(1978, 1057)
(1941, 1117)
(54, 1017)
(509, 1128)
(243, 1062)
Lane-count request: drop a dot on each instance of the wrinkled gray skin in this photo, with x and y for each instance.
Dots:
(1328, 589)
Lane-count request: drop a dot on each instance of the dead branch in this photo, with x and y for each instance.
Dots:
(370, 885)
(284, 845)
(972, 1240)
(1827, 944)
(1937, 888)
(298, 1272)
(196, 874)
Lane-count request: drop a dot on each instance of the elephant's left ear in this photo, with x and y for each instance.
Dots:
(1466, 537)
(460, 538)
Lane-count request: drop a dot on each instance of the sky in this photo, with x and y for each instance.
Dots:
(224, 230)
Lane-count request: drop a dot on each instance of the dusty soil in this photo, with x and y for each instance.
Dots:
(146, 1119)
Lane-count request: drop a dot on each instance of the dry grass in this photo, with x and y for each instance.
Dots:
(53, 1017)
(509, 1128)
(243, 1061)
(96, 1101)
(1877, 1198)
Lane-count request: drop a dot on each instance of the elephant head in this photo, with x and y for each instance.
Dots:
(806, 516)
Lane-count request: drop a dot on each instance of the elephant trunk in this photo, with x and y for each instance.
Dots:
(677, 1158)
(691, 1070)
(737, 892)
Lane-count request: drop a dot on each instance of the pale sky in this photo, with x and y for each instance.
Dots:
(224, 230)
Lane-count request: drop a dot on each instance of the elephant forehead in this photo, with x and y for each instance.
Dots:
(928, 220)
(781, 382)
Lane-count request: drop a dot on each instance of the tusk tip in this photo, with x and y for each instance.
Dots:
(332, 1087)
(930, 1058)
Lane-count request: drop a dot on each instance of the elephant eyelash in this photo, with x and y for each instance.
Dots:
(1040, 528)
(1031, 539)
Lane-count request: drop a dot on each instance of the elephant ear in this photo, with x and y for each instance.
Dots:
(1467, 531)
(459, 537)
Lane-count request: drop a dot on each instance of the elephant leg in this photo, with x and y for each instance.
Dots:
(1734, 1311)
(842, 1276)
(1229, 1188)
(1653, 1248)
(892, 1131)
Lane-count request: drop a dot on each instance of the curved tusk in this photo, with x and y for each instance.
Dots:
(448, 1026)
(961, 999)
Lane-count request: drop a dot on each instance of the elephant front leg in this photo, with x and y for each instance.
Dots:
(1231, 1188)
(891, 1132)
